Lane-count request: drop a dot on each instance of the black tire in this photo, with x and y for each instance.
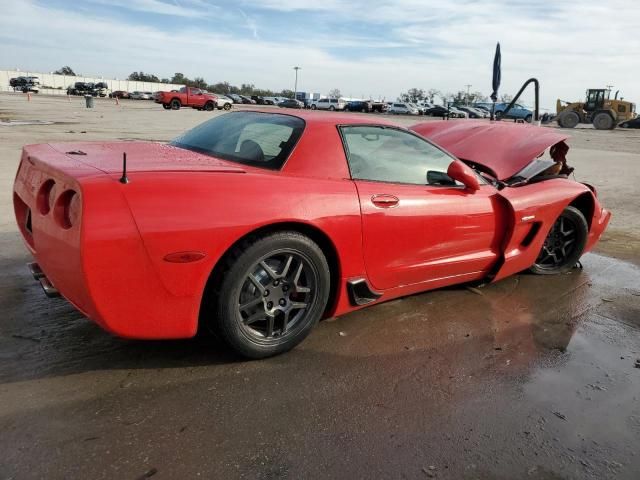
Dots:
(227, 106)
(266, 318)
(568, 119)
(564, 244)
(166, 106)
(175, 104)
(498, 115)
(332, 108)
(603, 121)
(528, 118)
(209, 106)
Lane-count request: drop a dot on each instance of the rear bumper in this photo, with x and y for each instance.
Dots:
(100, 264)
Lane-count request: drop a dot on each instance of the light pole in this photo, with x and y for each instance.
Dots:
(468, 87)
(295, 88)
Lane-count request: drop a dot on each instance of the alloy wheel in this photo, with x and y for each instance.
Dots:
(559, 244)
(276, 295)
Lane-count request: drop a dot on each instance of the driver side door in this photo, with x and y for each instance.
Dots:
(418, 225)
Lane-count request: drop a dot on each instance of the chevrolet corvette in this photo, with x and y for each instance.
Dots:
(255, 225)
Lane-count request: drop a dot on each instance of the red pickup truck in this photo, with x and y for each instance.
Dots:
(187, 97)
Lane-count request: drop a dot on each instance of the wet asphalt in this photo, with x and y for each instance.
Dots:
(530, 377)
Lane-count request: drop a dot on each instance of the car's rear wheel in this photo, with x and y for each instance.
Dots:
(498, 115)
(564, 244)
(166, 106)
(227, 106)
(175, 104)
(209, 106)
(528, 118)
(272, 294)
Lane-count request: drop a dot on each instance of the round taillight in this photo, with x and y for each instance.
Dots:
(68, 207)
(46, 196)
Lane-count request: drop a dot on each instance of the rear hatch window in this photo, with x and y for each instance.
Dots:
(251, 138)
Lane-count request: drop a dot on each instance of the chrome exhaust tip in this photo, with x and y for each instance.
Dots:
(49, 290)
(35, 270)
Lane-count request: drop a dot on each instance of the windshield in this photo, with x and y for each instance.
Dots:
(252, 138)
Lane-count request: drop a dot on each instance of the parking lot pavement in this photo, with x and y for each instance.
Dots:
(527, 378)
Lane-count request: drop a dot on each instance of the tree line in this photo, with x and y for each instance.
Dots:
(220, 87)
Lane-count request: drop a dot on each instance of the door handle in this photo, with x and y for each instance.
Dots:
(385, 201)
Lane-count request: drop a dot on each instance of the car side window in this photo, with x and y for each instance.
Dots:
(390, 155)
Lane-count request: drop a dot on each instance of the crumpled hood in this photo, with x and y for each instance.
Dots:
(504, 148)
(143, 157)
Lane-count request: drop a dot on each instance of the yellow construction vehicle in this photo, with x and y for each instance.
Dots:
(602, 112)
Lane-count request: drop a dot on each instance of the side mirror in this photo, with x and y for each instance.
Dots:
(464, 174)
(435, 177)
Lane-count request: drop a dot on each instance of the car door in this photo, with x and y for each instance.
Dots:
(418, 225)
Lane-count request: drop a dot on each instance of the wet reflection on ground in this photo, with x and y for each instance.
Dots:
(530, 377)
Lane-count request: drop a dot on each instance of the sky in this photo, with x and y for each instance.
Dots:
(365, 48)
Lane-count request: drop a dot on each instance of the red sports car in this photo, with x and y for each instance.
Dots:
(257, 224)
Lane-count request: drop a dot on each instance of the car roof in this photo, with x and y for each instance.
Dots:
(335, 118)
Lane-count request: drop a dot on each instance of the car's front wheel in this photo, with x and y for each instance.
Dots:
(564, 244)
(273, 292)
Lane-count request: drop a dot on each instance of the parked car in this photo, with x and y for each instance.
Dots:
(437, 111)
(454, 112)
(518, 111)
(403, 109)
(207, 239)
(224, 102)
(291, 103)
(25, 84)
(328, 104)
(119, 94)
(633, 123)
(247, 100)
(472, 112)
(101, 89)
(379, 107)
(81, 88)
(258, 99)
(358, 106)
(418, 107)
(187, 97)
(149, 95)
(235, 97)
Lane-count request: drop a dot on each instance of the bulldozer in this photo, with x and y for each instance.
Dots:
(599, 110)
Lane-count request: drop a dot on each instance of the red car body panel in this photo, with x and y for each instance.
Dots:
(503, 147)
(117, 263)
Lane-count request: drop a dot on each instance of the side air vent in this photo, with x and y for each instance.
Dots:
(360, 293)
